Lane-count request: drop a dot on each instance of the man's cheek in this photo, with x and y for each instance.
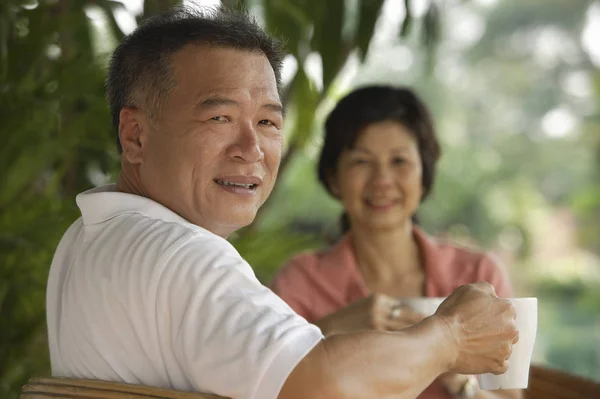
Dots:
(275, 150)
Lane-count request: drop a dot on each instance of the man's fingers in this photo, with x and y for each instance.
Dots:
(486, 287)
(516, 338)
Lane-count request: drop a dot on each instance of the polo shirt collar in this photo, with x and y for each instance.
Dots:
(105, 202)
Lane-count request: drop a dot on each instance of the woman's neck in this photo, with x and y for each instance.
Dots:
(385, 256)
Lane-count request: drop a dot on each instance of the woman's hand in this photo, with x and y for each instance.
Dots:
(376, 312)
(454, 383)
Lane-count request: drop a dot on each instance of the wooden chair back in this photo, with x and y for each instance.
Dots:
(66, 388)
(545, 383)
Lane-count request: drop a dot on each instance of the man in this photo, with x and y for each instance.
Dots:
(145, 289)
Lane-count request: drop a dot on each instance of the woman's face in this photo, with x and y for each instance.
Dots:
(379, 180)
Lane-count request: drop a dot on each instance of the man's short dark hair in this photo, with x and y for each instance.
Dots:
(140, 72)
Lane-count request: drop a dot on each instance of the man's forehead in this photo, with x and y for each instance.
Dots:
(220, 60)
(225, 72)
(233, 92)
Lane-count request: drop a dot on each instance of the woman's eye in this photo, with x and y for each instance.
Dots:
(360, 161)
(398, 160)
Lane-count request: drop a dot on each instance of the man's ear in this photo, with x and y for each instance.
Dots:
(133, 130)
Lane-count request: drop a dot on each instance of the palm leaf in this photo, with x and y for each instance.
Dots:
(369, 13)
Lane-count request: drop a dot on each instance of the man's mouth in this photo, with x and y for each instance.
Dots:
(249, 186)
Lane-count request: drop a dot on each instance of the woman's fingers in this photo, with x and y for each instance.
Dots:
(399, 317)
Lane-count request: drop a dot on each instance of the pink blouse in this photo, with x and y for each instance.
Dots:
(316, 284)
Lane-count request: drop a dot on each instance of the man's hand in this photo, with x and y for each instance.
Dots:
(482, 327)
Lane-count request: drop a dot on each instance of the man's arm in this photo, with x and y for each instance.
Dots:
(373, 364)
(472, 332)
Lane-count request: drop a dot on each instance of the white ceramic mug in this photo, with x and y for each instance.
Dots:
(517, 375)
(424, 305)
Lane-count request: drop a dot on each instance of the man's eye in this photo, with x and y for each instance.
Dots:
(219, 118)
(266, 122)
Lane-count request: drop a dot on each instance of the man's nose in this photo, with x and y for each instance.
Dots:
(247, 144)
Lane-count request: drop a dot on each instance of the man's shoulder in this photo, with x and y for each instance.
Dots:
(140, 240)
(181, 242)
(177, 233)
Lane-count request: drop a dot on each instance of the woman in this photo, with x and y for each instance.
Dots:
(379, 159)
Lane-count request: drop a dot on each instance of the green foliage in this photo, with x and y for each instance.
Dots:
(57, 138)
(573, 310)
(369, 11)
(287, 20)
(327, 37)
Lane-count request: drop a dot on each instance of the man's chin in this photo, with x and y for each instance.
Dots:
(240, 221)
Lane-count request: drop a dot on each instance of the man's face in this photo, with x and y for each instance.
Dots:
(214, 153)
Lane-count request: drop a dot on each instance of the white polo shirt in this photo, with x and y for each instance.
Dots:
(137, 294)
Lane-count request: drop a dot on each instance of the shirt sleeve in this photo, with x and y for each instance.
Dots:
(489, 270)
(231, 335)
(292, 285)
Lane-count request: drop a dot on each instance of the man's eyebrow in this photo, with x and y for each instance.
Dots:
(214, 102)
(275, 107)
(217, 101)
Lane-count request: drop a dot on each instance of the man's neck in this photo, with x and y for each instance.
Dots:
(129, 181)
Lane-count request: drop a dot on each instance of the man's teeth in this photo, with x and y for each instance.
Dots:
(230, 183)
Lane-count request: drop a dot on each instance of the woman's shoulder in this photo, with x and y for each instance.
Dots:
(313, 259)
(457, 257)
(467, 263)
(447, 250)
(306, 259)
(472, 258)
(464, 253)
(320, 262)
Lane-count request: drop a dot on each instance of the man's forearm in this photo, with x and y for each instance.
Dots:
(376, 365)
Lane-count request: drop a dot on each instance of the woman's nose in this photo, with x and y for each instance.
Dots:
(382, 175)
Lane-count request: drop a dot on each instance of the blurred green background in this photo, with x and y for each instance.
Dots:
(514, 87)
